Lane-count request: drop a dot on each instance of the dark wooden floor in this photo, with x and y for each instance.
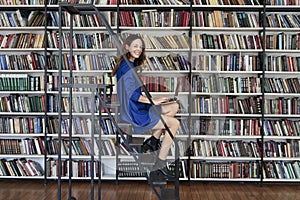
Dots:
(139, 190)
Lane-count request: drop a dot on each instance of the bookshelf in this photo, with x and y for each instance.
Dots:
(22, 93)
(238, 83)
(281, 138)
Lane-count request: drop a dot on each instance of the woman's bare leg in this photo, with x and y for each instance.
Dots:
(173, 125)
(157, 133)
(170, 109)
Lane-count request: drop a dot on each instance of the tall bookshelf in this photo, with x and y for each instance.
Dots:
(232, 72)
(281, 120)
(23, 92)
(226, 93)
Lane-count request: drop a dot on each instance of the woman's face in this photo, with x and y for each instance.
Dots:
(135, 49)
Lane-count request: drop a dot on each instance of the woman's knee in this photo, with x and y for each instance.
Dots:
(174, 109)
(174, 124)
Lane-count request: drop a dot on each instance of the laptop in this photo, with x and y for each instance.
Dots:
(172, 99)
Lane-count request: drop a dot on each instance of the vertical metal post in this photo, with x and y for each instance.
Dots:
(45, 91)
(176, 169)
(264, 23)
(100, 144)
(59, 103)
(93, 144)
(70, 81)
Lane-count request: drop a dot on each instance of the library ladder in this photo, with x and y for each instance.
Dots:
(164, 194)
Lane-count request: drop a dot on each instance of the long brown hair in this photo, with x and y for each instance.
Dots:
(138, 61)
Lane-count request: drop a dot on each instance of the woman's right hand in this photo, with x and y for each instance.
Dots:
(160, 100)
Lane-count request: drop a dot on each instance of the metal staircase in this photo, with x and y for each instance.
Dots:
(145, 161)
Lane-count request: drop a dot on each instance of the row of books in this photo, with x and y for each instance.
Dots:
(91, 20)
(80, 104)
(218, 18)
(216, 84)
(130, 168)
(11, 19)
(283, 127)
(151, 18)
(183, 148)
(82, 126)
(283, 41)
(22, 18)
(226, 41)
(168, 41)
(281, 170)
(83, 81)
(20, 167)
(165, 84)
(232, 170)
(22, 40)
(159, 84)
(99, 61)
(222, 148)
(22, 2)
(283, 2)
(23, 125)
(157, 2)
(282, 63)
(21, 82)
(22, 103)
(80, 168)
(32, 61)
(202, 105)
(97, 40)
(283, 20)
(288, 106)
(282, 85)
(226, 127)
(226, 2)
(80, 146)
(148, 2)
(154, 2)
(229, 62)
(27, 146)
(154, 18)
(226, 105)
(288, 149)
(168, 62)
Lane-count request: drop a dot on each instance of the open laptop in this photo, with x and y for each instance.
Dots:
(175, 95)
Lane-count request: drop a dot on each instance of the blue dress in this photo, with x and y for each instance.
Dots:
(142, 116)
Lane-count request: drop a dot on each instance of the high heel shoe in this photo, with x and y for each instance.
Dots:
(160, 169)
(150, 145)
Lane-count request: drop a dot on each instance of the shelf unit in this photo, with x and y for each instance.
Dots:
(200, 121)
(23, 105)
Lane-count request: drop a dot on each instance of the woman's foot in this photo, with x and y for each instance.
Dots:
(151, 144)
(160, 167)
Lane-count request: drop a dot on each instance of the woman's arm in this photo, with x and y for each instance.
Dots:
(156, 100)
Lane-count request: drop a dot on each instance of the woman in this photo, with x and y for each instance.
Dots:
(137, 110)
